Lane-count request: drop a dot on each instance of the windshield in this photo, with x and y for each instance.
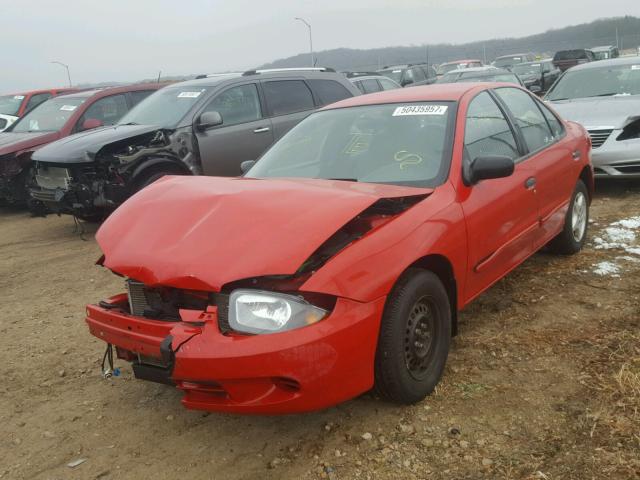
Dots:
(603, 55)
(394, 74)
(404, 144)
(164, 108)
(597, 82)
(49, 116)
(507, 61)
(10, 104)
(527, 69)
(448, 67)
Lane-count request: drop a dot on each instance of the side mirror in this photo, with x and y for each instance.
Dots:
(488, 167)
(247, 165)
(91, 123)
(208, 120)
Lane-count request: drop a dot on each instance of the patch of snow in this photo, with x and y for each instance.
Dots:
(608, 269)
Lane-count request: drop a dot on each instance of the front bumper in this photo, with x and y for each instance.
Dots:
(302, 370)
(617, 159)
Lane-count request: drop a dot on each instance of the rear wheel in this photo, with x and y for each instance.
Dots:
(415, 334)
(574, 233)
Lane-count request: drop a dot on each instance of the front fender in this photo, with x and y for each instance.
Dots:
(369, 268)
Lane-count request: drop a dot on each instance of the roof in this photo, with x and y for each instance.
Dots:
(462, 61)
(513, 55)
(445, 92)
(44, 90)
(607, 63)
(485, 69)
(103, 91)
(603, 48)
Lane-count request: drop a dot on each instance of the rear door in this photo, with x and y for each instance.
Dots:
(501, 214)
(244, 134)
(288, 103)
(549, 155)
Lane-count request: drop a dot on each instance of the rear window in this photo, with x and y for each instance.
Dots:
(288, 96)
(329, 91)
(570, 55)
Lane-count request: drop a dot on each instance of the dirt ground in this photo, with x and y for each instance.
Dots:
(543, 381)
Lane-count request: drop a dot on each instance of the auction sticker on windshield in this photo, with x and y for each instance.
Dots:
(635, 67)
(189, 94)
(420, 110)
(68, 108)
(18, 97)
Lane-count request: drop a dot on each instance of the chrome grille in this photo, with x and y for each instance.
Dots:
(52, 178)
(137, 298)
(599, 136)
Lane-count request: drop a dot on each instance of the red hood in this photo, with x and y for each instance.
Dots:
(201, 233)
(17, 142)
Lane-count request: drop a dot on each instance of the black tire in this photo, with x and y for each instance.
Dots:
(570, 240)
(410, 361)
(153, 174)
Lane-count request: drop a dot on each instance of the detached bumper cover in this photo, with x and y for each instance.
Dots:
(301, 370)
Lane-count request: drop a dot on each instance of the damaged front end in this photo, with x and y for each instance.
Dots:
(105, 177)
(14, 173)
(238, 343)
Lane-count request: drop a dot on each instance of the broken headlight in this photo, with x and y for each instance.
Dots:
(256, 311)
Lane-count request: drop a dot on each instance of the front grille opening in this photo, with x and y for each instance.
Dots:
(628, 168)
(163, 303)
(286, 384)
(598, 137)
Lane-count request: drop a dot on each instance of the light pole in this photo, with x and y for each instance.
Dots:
(313, 63)
(65, 66)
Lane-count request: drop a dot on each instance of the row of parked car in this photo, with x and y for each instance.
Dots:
(85, 152)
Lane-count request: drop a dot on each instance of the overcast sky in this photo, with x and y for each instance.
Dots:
(122, 40)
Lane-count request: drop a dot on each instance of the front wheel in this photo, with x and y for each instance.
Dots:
(574, 233)
(415, 334)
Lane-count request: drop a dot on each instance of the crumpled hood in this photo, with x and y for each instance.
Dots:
(612, 112)
(15, 142)
(204, 232)
(83, 147)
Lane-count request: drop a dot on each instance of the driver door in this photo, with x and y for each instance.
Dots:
(244, 134)
(501, 214)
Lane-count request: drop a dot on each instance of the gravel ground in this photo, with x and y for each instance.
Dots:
(543, 381)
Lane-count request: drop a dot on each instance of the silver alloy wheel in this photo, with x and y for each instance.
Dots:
(579, 217)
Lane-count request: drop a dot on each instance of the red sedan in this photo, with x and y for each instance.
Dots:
(16, 105)
(338, 263)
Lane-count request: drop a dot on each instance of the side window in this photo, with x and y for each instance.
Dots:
(429, 71)
(139, 95)
(288, 96)
(359, 86)
(418, 75)
(329, 91)
(370, 86)
(487, 131)
(107, 110)
(387, 84)
(532, 123)
(237, 105)
(554, 123)
(36, 100)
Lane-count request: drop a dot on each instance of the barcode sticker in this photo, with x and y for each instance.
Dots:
(420, 110)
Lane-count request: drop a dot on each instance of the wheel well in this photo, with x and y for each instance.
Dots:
(587, 177)
(441, 266)
(150, 166)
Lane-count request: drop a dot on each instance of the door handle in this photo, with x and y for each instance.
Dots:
(530, 183)
(576, 155)
(261, 130)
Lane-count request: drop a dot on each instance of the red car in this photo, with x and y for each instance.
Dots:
(339, 262)
(16, 105)
(55, 119)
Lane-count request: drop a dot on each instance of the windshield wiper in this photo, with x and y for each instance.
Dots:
(603, 95)
(130, 123)
(344, 179)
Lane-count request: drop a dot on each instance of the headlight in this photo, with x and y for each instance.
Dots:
(255, 311)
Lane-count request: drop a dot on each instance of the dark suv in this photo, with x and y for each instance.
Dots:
(207, 126)
(565, 59)
(411, 74)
